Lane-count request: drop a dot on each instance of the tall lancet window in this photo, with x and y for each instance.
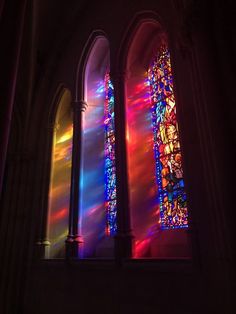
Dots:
(110, 170)
(169, 171)
(98, 189)
(157, 197)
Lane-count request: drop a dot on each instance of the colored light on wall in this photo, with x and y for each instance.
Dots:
(59, 195)
(169, 171)
(92, 212)
(110, 170)
(141, 165)
(67, 136)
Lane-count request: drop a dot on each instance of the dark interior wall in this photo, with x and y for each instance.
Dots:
(95, 288)
(201, 41)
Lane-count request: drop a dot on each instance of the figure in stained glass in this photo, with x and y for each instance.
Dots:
(169, 172)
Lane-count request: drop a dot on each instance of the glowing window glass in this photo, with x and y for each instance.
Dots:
(169, 171)
(110, 170)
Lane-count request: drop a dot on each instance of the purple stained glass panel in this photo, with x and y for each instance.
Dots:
(110, 170)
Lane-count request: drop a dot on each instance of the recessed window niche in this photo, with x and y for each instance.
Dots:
(157, 203)
(59, 193)
(93, 216)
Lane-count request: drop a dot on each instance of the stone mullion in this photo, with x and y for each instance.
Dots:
(73, 240)
(123, 238)
(42, 241)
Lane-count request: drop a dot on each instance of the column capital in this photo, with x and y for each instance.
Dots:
(73, 244)
(79, 105)
(42, 249)
(74, 238)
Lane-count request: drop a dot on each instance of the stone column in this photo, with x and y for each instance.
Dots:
(43, 243)
(12, 24)
(74, 240)
(123, 238)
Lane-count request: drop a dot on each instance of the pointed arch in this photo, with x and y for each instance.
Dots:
(59, 191)
(154, 195)
(138, 20)
(81, 67)
(93, 215)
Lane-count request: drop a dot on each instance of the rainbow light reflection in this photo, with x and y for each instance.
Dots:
(59, 196)
(169, 172)
(92, 213)
(141, 164)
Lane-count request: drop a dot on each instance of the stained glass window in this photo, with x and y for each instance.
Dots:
(110, 170)
(169, 171)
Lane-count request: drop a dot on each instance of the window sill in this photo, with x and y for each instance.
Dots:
(183, 265)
